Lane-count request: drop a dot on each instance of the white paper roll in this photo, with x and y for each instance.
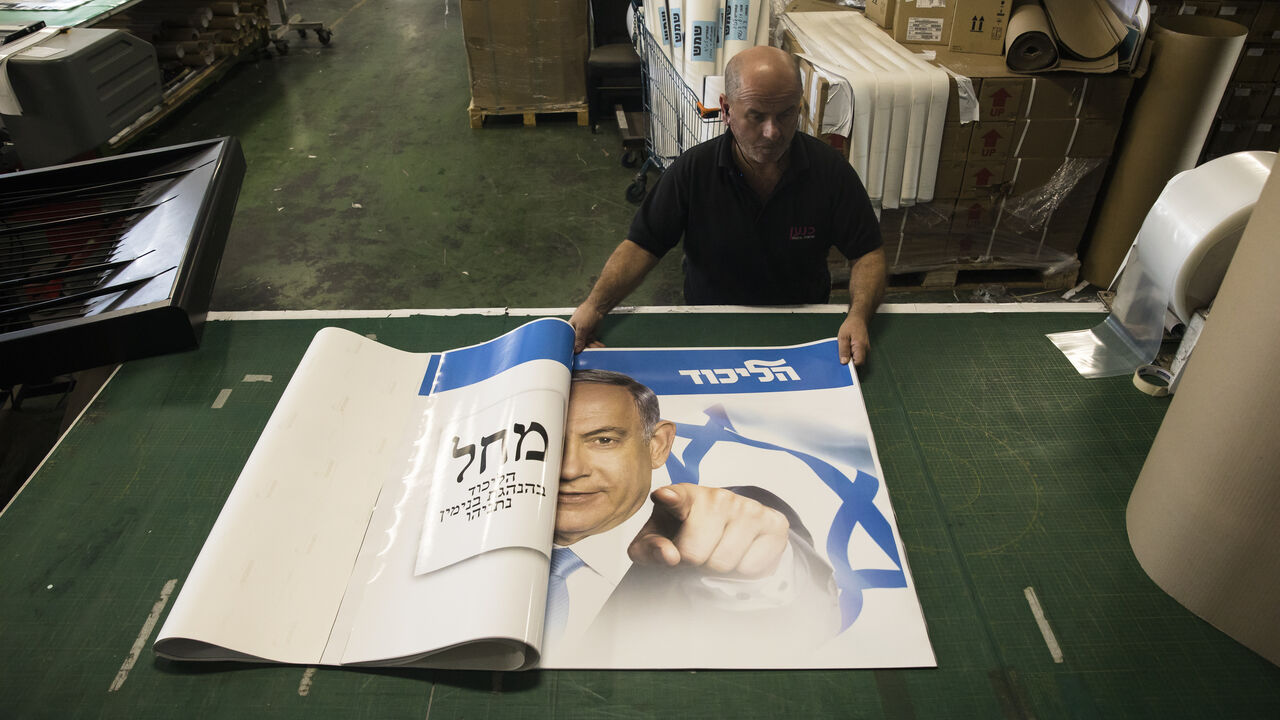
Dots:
(1178, 260)
(764, 22)
(702, 32)
(675, 11)
(741, 17)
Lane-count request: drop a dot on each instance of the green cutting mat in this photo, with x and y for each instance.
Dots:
(1006, 471)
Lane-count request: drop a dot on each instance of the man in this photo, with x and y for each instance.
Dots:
(695, 562)
(758, 209)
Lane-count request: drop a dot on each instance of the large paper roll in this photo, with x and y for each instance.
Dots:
(1191, 61)
(1203, 515)
(1030, 47)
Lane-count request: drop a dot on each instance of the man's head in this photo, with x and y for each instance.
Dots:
(614, 439)
(761, 102)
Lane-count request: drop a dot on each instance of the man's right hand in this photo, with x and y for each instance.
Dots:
(722, 532)
(584, 322)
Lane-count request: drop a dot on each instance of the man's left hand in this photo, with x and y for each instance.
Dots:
(723, 532)
(854, 340)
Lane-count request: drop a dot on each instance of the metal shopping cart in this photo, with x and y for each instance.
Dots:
(676, 119)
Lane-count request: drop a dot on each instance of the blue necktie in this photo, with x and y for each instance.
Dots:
(563, 562)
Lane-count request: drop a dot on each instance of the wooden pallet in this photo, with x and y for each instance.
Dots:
(529, 114)
(975, 274)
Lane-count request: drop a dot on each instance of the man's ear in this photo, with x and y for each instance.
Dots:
(724, 104)
(660, 444)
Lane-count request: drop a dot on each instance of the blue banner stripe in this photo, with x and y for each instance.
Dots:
(546, 339)
(815, 366)
(433, 364)
(857, 507)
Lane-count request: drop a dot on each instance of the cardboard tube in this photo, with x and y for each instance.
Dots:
(1203, 515)
(1191, 61)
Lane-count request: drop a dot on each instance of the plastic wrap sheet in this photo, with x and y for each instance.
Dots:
(1183, 247)
(1020, 223)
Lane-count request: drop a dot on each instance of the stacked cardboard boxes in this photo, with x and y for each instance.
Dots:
(1248, 117)
(972, 26)
(1017, 186)
(526, 56)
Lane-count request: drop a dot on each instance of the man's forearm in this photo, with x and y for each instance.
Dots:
(623, 272)
(866, 284)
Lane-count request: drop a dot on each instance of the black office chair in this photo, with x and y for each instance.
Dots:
(613, 67)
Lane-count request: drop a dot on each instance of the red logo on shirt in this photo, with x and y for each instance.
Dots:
(803, 232)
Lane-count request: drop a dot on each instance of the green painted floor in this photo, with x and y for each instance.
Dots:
(367, 188)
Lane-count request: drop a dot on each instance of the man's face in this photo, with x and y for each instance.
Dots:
(763, 118)
(607, 466)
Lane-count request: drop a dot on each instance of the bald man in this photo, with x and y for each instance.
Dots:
(758, 209)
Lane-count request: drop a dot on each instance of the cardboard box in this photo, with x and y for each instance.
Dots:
(1054, 96)
(1245, 101)
(931, 218)
(1043, 138)
(979, 26)
(1266, 23)
(1266, 136)
(1000, 98)
(990, 140)
(1258, 63)
(1239, 11)
(1228, 138)
(950, 178)
(881, 12)
(1105, 97)
(924, 22)
(1094, 139)
(955, 140)
(505, 39)
(1272, 110)
(1063, 138)
(974, 215)
(1030, 175)
(1200, 7)
(982, 178)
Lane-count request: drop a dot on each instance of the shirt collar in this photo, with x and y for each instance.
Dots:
(606, 552)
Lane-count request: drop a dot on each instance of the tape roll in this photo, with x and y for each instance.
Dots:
(1143, 380)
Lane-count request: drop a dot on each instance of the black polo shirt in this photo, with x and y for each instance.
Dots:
(740, 251)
